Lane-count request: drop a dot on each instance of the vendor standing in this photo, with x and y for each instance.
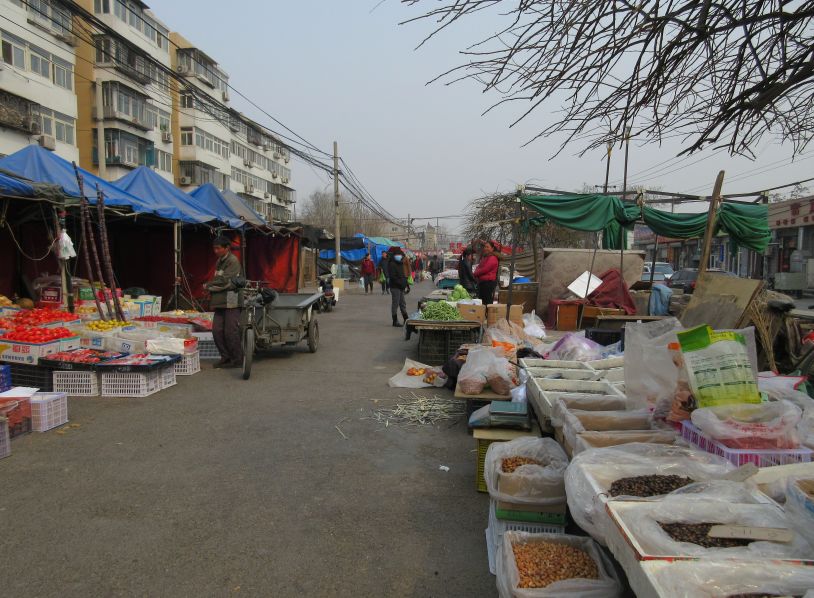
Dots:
(465, 275)
(398, 278)
(486, 273)
(368, 270)
(224, 302)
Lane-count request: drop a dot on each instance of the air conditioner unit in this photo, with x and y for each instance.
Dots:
(47, 142)
(166, 136)
(274, 175)
(285, 180)
(267, 195)
(277, 155)
(234, 126)
(287, 159)
(247, 163)
(225, 95)
(35, 127)
(185, 180)
(266, 147)
(249, 188)
(182, 69)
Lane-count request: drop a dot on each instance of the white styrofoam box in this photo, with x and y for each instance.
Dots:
(556, 364)
(614, 375)
(48, 410)
(547, 391)
(203, 336)
(68, 344)
(606, 364)
(563, 374)
(28, 353)
(124, 345)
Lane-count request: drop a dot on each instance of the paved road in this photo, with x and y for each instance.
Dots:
(225, 487)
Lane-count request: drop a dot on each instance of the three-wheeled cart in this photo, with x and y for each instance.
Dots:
(282, 319)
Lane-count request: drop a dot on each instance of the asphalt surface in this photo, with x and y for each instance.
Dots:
(225, 487)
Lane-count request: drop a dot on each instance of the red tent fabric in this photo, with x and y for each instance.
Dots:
(275, 260)
(613, 292)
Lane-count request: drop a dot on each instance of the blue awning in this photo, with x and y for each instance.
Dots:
(145, 182)
(15, 187)
(43, 166)
(211, 199)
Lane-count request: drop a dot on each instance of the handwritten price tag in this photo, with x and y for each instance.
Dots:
(745, 532)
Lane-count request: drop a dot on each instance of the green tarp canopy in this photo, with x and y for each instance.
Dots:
(746, 224)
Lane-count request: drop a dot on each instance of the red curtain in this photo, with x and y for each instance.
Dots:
(275, 260)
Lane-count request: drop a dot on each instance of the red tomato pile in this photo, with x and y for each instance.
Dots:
(84, 356)
(166, 319)
(28, 334)
(38, 317)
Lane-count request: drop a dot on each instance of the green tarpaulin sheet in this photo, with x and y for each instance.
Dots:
(746, 224)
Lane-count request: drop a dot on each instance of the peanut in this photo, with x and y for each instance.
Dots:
(542, 563)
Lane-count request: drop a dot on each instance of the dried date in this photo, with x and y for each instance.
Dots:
(648, 485)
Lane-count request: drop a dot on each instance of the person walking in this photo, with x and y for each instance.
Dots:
(465, 275)
(224, 302)
(486, 273)
(398, 285)
(368, 270)
(384, 275)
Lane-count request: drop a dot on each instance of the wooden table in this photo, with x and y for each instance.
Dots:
(415, 325)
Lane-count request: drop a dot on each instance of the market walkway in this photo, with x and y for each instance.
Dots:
(220, 487)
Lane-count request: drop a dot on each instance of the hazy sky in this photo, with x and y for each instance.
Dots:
(332, 69)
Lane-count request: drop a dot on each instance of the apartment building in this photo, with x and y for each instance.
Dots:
(219, 145)
(37, 99)
(123, 89)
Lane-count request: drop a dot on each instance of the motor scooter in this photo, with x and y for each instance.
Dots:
(328, 300)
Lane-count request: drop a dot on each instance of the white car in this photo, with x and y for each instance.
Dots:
(663, 272)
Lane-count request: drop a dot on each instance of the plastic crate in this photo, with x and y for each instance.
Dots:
(34, 376)
(168, 376)
(5, 438)
(131, 384)
(498, 527)
(48, 410)
(435, 347)
(208, 350)
(761, 458)
(77, 383)
(5, 378)
(189, 364)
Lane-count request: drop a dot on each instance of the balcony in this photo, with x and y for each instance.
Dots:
(19, 113)
(110, 113)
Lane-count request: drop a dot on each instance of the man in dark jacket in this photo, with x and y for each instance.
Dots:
(223, 300)
(368, 269)
(465, 275)
(398, 285)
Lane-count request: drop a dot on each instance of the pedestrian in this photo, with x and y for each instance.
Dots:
(465, 275)
(486, 273)
(434, 268)
(384, 275)
(398, 285)
(368, 270)
(224, 302)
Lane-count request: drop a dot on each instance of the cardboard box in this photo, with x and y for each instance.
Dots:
(28, 353)
(497, 311)
(472, 313)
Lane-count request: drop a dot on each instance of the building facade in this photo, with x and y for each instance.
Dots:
(127, 92)
(37, 99)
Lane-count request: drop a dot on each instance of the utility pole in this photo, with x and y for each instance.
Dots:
(337, 243)
(714, 202)
(101, 151)
(607, 168)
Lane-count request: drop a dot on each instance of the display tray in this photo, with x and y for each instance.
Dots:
(556, 364)
(563, 374)
(543, 392)
(78, 366)
(118, 365)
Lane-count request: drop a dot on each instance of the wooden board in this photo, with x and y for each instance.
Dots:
(720, 301)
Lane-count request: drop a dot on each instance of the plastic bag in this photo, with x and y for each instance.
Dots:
(762, 427)
(533, 326)
(718, 366)
(528, 484)
(590, 474)
(575, 347)
(800, 506)
(500, 377)
(644, 519)
(508, 576)
(711, 579)
(473, 374)
(650, 373)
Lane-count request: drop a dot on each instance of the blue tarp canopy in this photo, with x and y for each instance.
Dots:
(15, 187)
(242, 209)
(145, 182)
(376, 246)
(43, 166)
(211, 199)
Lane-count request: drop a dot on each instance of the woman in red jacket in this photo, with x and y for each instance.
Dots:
(486, 273)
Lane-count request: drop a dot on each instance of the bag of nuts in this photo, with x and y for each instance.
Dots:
(526, 470)
(554, 566)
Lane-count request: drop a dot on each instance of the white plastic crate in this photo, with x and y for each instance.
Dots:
(498, 527)
(77, 383)
(189, 364)
(168, 377)
(5, 439)
(208, 350)
(131, 384)
(761, 458)
(48, 410)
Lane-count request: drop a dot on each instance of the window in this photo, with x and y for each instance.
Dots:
(163, 120)
(50, 16)
(186, 136)
(101, 6)
(164, 161)
(40, 62)
(187, 101)
(47, 117)
(64, 128)
(63, 73)
(13, 51)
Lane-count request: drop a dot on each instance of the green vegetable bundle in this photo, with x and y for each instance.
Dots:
(459, 293)
(440, 310)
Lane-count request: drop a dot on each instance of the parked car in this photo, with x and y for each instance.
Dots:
(686, 278)
(664, 272)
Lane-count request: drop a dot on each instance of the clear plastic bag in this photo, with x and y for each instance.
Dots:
(711, 579)
(650, 373)
(533, 325)
(800, 506)
(765, 426)
(590, 474)
(508, 576)
(528, 484)
(501, 377)
(575, 347)
(473, 374)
